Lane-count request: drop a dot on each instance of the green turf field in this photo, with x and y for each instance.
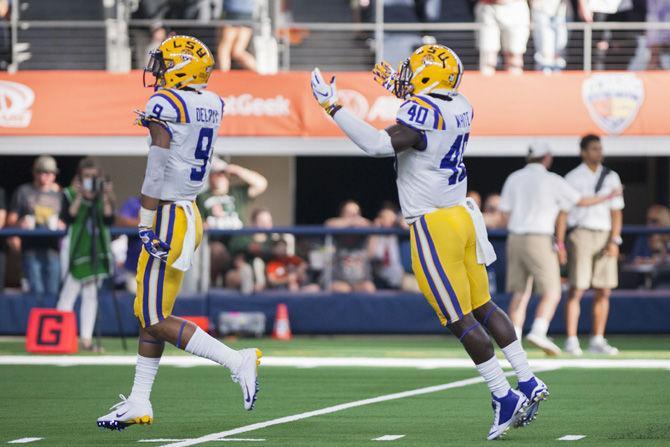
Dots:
(610, 407)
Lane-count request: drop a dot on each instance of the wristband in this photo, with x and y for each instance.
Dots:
(617, 240)
(332, 109)
(147, 218)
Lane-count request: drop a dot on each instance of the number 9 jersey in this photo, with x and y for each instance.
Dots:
(192, 117)
(433, 176)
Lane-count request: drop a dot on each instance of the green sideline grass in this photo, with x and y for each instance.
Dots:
(60, 404)
(631, 346)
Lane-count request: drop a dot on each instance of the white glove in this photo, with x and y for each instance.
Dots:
(325, 94)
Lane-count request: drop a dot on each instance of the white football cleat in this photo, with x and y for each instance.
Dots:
(507, 411)
(127, 412)
(572, 346)
(247, 376)
(543, 342)
(600, 346)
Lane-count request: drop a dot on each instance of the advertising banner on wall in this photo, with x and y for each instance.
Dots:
(93, 103)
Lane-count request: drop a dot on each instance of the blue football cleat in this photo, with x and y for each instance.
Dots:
(507, 411)
(535, 391)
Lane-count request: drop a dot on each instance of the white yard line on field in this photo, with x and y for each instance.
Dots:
(388, 438)
(328, 410)
(571, 438)
(24, 440)
(217, 440)
(314, 362)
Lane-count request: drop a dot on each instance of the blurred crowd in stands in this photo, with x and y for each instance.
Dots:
(250, 263)
(503, 37)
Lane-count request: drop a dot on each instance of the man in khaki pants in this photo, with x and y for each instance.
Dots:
(533, 199)
(593, 245)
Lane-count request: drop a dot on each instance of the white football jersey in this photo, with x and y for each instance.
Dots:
(434, 177)
(193, 119)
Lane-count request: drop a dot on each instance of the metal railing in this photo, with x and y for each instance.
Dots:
(331, 45)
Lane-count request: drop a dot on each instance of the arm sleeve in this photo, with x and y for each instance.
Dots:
(616, 203)
(505, 204)
(376, 143)
(567, 195)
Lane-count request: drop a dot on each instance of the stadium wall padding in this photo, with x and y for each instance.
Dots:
(325, 313)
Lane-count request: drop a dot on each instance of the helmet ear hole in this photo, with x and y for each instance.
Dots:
(425, 80)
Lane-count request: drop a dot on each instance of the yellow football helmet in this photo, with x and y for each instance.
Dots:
(429, 67)
(180, 61)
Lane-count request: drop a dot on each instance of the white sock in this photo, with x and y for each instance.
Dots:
(540, 327)
(572, 340)
(145, 373)
(492, 373)
(597, 340)
(516, 356)
(204, 345)
(519, 332)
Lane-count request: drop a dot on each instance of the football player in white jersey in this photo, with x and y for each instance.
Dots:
(183, 120)
(450, 247)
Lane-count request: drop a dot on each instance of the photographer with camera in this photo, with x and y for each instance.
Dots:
(88, 210)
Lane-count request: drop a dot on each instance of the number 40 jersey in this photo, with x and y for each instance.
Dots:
(434, 177)
(192, 117)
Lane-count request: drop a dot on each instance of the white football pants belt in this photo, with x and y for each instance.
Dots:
(485, 253)
(185, 260)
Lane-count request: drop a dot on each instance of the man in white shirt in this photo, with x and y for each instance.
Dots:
(593, 245)
(533, 200)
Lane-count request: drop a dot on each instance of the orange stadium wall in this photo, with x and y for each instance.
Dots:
(91, 103)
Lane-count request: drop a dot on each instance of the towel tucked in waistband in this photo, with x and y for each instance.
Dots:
(485, 253)
(185, 260)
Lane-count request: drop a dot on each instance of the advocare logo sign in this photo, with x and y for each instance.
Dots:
(384, 108)
(15, 103)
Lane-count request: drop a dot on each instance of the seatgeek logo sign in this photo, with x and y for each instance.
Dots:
(249, 105)
(16, 101)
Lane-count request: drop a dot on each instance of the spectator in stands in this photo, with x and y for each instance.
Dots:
(88, 206)
(493, 216)
(3, 249)
(128, 216)
(398, 44)
(610, 51)
(5, 35)
(653, 249)
(250, 253)
(37, 205)
(143, 38)
(384, 251)
(506, 21)
(352, 270)
(474, 195)
(287, 271)
(593, 245)
(235, 39)
(535, 202)
(658, 40)
(550, 33)
(223, 206)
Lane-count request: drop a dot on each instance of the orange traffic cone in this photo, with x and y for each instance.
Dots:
(282, 329)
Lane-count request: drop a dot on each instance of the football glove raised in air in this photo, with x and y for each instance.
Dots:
(154, 246)
(384, 75)
(325, 93)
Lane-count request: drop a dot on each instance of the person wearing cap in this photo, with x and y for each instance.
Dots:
(37, 205)
(223, 206)
(593, 245)
(533, 202)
